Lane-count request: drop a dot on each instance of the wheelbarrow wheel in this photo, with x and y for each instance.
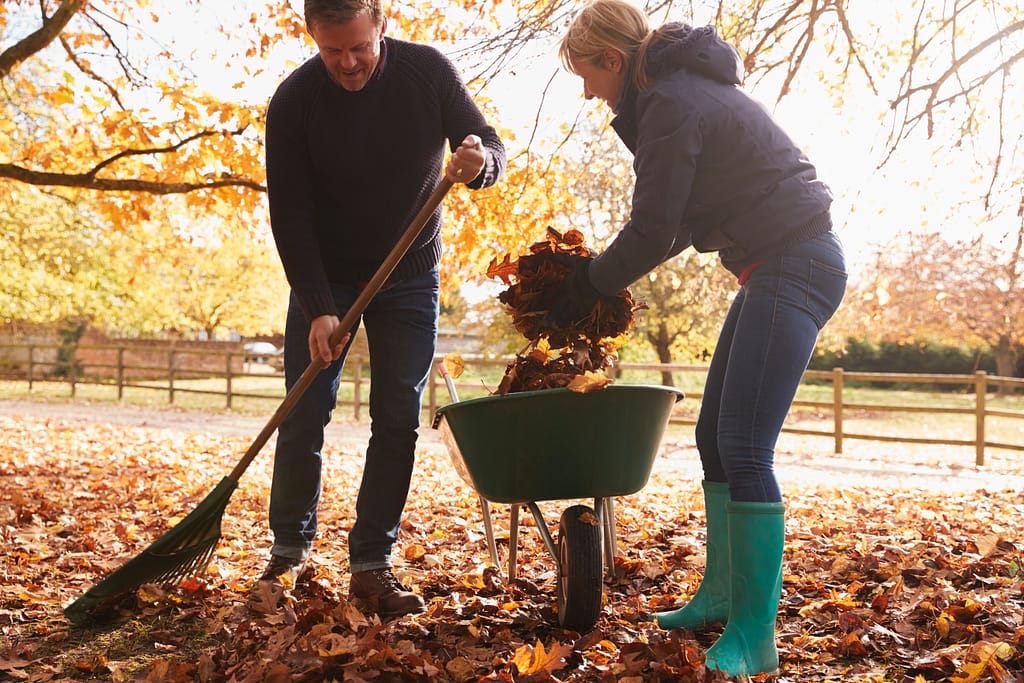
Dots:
(580, 582)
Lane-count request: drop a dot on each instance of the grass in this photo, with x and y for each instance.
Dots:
(123, 648)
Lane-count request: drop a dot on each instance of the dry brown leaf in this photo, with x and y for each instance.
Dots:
(460, 669)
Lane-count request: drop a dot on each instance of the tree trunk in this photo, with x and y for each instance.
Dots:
(662, 347)
(1006, 360)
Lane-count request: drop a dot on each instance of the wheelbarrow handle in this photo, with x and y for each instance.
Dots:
(448, 382)
(347, 322)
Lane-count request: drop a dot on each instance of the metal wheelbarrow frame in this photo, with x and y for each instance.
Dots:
(555, 444)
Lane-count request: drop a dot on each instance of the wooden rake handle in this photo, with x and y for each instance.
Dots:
(368, 292)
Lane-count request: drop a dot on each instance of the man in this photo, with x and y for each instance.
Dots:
(355, 146)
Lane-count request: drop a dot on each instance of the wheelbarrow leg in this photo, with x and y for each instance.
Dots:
(513, 540)
(492, 547)
(605, 508)
(542, 529)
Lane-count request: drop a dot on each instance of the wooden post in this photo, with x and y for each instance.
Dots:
(227, 377)
(31, 364)
(837, 407)
(120, 373)
(980, 390)
(170, 375)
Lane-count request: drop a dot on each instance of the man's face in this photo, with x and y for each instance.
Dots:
(351, 50)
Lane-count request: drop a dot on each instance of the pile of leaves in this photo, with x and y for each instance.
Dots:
(558, 355)
(879, 585)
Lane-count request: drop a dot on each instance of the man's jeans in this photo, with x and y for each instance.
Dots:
(401, 331)
(765, 344)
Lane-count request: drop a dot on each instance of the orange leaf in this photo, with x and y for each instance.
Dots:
(504, 270)
(589, 381)
(529, 660)
(976, 663)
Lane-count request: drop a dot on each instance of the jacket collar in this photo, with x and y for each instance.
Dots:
(624, 123)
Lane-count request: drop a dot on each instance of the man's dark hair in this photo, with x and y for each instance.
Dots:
(341, 11)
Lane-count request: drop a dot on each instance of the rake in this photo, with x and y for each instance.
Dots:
(186, 549)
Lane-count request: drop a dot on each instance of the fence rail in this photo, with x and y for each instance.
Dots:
(170, 369)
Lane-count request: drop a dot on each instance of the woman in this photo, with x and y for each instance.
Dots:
(715, 171)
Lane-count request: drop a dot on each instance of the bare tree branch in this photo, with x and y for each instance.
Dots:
(935, 86)
(851, 40)
(90, 179)
(88, 71)
(90, 182)
(40, 38)
(127, 68)
(125, 153)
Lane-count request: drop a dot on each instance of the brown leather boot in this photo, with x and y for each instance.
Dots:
(386, 595)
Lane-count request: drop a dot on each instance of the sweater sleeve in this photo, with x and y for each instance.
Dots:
(669, 142)
(289, 191)
(462, 117)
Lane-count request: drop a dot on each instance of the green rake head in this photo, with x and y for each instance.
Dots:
(184, 550)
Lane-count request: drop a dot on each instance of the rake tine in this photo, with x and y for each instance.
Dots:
(196, 565)
(183, 550)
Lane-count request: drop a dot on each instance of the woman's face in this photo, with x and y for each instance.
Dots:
(604, 79)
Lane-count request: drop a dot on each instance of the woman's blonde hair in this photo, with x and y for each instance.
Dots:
(608, 24)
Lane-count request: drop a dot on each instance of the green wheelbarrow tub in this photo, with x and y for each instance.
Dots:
(557, 444)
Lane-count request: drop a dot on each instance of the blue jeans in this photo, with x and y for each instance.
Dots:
(401, 332)
(762, 352)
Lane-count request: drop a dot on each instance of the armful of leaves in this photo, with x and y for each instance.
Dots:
(572, 355)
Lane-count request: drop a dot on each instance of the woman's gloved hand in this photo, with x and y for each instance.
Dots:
(574, 299)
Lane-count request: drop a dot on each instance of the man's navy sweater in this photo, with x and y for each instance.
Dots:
(348, 171)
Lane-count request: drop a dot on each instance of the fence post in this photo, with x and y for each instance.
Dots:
(357, 386)
(31, 364)
(120, 373)
(980, 390)
(170, 375)
(227, 377)
(837, 408)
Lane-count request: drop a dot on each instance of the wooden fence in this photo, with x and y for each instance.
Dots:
(39, 362)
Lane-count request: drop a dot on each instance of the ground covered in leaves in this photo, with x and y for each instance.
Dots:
(880, 584)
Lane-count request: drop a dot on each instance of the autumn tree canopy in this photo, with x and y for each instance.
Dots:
(128, 111)
(929, 286)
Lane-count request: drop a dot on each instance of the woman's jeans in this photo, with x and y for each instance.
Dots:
(765, 344)
(401, 331)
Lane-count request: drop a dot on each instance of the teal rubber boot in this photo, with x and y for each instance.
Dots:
(710, 604)
(756, 538)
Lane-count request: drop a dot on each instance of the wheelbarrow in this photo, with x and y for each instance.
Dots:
(556, 444)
